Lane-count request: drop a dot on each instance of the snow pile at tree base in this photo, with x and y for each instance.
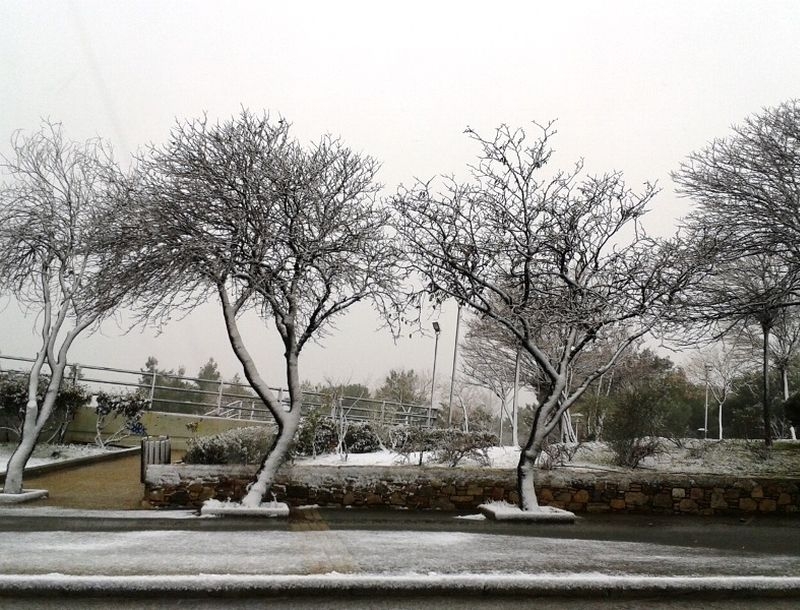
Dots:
(503, 511)
(215, 508)
(27, 495)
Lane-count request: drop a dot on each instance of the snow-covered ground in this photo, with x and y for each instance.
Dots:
(170, 552)
(47, 454)
(694, 456)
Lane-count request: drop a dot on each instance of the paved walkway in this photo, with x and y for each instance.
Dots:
(108, 485)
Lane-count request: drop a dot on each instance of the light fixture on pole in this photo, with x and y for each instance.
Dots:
(436, 329)
(453, 374)
(707, 368)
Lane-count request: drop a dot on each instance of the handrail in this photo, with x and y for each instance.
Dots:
(352, 407)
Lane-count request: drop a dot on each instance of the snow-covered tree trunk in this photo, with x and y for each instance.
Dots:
(36, 417)
(273, 460)
(526, 468)
(287, 421)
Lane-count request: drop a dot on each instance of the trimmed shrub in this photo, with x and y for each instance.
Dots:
(316, 434)
(360, 437)
(238, 446)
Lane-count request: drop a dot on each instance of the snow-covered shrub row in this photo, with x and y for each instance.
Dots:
(448, 445)
(319, 434)
(238, 446)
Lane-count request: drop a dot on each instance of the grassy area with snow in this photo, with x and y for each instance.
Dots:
(727, 457)
(48, 454)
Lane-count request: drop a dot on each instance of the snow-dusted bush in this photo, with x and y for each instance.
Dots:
(557, 454)
(129, 407)
(447, 445)
(14, 397)
(360, 437)
(316, 434)
(238, 446)
(454, 445)
(633, 428)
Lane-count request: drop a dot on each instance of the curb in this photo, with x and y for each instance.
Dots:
(32, 471)
(553, 586)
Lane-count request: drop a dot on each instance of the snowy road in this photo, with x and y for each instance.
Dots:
(324, 554)
(184, 552)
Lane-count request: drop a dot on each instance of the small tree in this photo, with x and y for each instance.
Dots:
(560, 262)
(241, 212)
(54, 223)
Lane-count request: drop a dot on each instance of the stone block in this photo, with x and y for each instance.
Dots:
(784, 499)
(635, 498)
(617, 504)
(678, 493)
(687, 505)
(581, 496)
(718, 500)
(748, 505)
(767, 505)
(545, 494)
(597, 507)
(662, 500)
(696, 493)
(563, 497)
(474, 491)
(497, 493)
(757, 492)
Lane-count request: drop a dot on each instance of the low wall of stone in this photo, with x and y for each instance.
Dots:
(459, 489)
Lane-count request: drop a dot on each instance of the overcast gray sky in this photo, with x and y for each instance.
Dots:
(635, 86)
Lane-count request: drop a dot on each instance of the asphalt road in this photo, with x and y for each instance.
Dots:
(451, 563)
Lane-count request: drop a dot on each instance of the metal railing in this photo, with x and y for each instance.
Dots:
(172, 393)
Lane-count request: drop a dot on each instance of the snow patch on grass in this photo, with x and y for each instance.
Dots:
(49, 454)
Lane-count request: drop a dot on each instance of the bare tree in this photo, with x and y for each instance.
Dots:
(749, 182)
(742, 290)
(719, 368)
(560, 262)
(54, 210)
(747, 187)
(240, 211)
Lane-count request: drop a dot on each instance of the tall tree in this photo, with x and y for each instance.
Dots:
(54, 210)
(560, 262)
(747, 187)
(241, 211)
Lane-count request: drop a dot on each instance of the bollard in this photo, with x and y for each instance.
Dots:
(155, 450)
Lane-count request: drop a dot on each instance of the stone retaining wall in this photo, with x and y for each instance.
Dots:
(451, 489)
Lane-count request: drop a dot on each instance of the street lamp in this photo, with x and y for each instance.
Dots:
(436, 329)
(705, 424)
(453, 374)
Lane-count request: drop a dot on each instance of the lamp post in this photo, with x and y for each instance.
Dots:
(453, 374)
(436, 329)
(705, 424)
